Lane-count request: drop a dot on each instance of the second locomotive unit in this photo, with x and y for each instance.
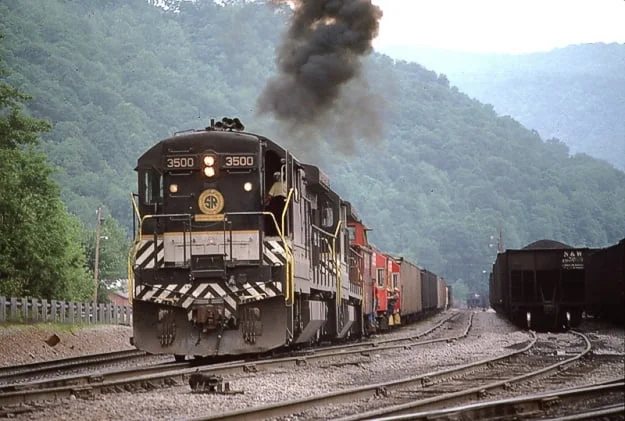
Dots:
(241, 248)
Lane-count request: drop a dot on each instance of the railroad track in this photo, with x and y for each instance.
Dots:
(150, 377)
(13, 373)
(584, 402)
(423, 392)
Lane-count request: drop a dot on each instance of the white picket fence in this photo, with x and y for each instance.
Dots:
(33, 310)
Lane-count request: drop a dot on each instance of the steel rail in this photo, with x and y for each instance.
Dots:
(477, 392)
(280, 409)
(518, 407)
(376, 342)
(15, 372)
(163, 374)
(596, 413)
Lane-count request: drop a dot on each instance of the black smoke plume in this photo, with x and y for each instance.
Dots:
(320, 54)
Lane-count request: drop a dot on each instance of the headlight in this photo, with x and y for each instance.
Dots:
(209, 171)
(247, 186)
(209, 160)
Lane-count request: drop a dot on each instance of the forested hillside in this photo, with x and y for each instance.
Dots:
(575, 94)
(115, 76)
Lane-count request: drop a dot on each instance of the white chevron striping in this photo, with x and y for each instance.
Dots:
(200, 288)
(272, 257)
(222, 294)
(149, 291)
(184, 289)
(149, 252)
(277, 248)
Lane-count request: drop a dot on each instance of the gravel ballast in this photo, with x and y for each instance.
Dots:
(24, 344)
(491, 335)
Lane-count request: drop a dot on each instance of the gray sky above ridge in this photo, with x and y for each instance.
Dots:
(499, 26)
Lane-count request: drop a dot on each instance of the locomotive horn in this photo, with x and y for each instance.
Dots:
(238, 125)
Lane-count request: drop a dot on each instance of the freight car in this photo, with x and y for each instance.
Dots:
(392, 293)
(242, 248)
(540, 286)
(411, 293)
(368, 266)
(429, 291)
(605, 283)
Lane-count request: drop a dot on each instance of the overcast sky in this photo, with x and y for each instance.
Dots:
(502, 26)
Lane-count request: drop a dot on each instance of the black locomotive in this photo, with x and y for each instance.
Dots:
(241, 248)
(477, 300)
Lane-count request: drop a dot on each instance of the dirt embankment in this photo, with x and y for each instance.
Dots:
(23, 344)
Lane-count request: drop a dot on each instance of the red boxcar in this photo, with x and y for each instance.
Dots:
(394, 289)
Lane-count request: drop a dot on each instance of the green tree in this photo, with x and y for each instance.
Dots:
(40, 254)
(113, 253)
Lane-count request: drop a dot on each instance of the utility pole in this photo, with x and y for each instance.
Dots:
(97, 257)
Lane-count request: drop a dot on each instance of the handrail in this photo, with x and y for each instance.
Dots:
(289, 269)
(290, 264)
(290, 272)
(132, 253)
(336, 265)
(330, 251)
(164, 215)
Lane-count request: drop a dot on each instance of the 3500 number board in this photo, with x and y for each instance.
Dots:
(238, 161)
(182, 162)
(186, 162)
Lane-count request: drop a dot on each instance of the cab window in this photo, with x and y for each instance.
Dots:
(152, 187)
(352, 233)
(380, 277)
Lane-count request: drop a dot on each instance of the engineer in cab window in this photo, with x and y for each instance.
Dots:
(275, 200)
(278, 188)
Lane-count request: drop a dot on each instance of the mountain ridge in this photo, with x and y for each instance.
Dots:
(584, 81)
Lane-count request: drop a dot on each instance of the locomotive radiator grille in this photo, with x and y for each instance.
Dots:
(183, 295)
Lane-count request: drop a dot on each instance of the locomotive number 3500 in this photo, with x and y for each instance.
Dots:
(239, 161)
(181, 162)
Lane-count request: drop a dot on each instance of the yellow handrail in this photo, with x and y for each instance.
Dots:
(290, 275)
(289, 293)
(132, 253)
(290, 264)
